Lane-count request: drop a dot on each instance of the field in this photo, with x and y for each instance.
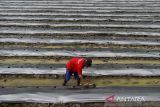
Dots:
(38, 37)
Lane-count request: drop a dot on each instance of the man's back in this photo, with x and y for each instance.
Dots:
(76, 64)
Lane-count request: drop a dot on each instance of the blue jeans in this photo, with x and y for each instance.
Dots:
(69, 74)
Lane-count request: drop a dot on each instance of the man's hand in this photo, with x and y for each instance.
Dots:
(80, 76)
(84, 83)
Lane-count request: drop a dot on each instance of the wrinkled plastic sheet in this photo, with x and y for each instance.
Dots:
(64, 95)
(89, 72)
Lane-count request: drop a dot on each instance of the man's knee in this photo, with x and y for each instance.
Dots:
(68, 75)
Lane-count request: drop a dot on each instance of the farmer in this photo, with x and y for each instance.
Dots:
(75, 66)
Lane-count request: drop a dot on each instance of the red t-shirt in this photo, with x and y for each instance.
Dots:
(76, 65)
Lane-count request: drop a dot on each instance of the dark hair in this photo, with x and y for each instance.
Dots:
(88, 62)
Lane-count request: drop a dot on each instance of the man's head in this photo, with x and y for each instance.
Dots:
(88, 62)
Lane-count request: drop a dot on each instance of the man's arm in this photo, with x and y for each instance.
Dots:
(80, 67)
(80, 75)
